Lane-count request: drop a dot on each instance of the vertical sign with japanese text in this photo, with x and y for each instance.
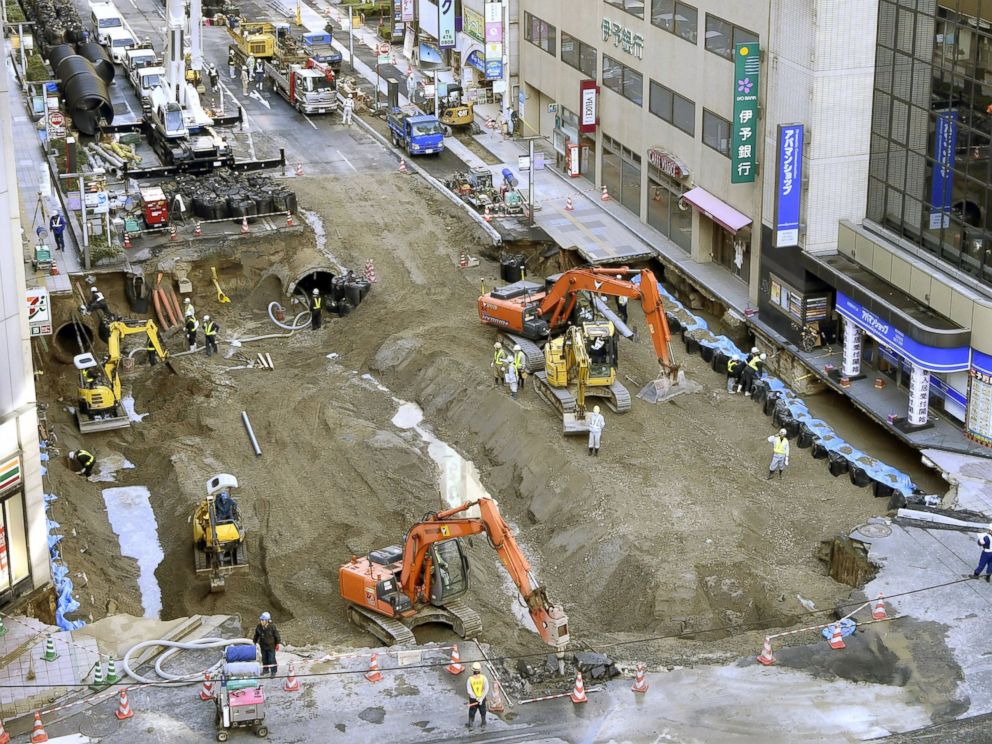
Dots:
(406, 10)
(587, 106)
(446, 23)
(788, 186)
(494, 40)
(744, 131)
(942, 184)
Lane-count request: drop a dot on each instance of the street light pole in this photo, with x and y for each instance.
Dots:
(530, 181)
(351, 37)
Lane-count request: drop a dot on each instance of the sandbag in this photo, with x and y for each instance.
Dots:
(858, 476)
(706, 352)
(769, 403)
(720, 363)
(759, 391)
(837, 464)
(691, 345)
(805, 438)
(881, 490)
(241, 652)
(674, 325)
(819, 450)
(791, 427)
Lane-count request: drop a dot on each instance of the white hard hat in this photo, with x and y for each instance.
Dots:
(497, 345)
(782, 432)
(619, 277)
(754, 349)
(206, 318)
(265, 616)
(316, 291)
(94, 290)
(516, 347)
(73, 455)
(595, 409)
(476, 667)
(763, 357)
(186, 301)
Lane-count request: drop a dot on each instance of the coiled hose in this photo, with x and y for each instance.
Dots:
(297, 326)
(174, 680)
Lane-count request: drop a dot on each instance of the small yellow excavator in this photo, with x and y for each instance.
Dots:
(578, 364)
(218, 537)
(99, 407)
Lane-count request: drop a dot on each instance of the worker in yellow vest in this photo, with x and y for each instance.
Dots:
(780, 453)
(499, 362)
(477, 687)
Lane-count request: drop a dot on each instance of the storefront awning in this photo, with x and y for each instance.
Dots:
(717, 210)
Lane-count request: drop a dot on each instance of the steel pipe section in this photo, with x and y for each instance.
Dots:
(87, 99)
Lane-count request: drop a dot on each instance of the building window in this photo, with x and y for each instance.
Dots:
(624, 80)
(664, 213)
(680, 18)
(622, 173)
(540, 33)
(579, 55)
(634, 7)
(716, 132)
(669, 106)
(723, 36)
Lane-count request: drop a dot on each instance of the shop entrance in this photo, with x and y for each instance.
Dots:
(733, 252)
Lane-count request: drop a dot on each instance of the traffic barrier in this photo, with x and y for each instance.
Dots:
(207, 689)
(292, 684)
(878, 610)
(766, 657)
(244, 225)
(373, 674)
(568, 204)
(299, 168)
(50, 653)
(640, 681)
(605, 196)
(456, 666)
(369, 272)
(38, 735)
(578, 693)
(124, 707)
(836, 639)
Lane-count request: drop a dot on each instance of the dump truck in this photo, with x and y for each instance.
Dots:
(308, 90)
(418, 134)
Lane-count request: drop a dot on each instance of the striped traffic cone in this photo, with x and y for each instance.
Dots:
(299, 168)
(244, 225)
(123, 711)
(98, 683)
(292, 684)
(207, 689)
(494, 703)
(403, 167)
(289, 219)
(640, 681)
(456, 666)
(112, 677)
(605, 196)
(836, 639)
(197, 230)
(487, 215)
(38, 735)
(373, 674)
(579, 692)
(50, 653)
(766, 657)
(172, 234)
(127, 241)
(462, 260)
(568, 204)
(370, 276)
(878, 610)
(4, 736)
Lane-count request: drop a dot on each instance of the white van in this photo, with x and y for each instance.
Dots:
(105, 17)
(118, 42)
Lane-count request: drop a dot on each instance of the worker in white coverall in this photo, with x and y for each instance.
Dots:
(477, 687)
(347, 109)
(596, 423)
(780, 453)
(512, 378)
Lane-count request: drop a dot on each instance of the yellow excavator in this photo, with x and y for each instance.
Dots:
(578, 364)
(218, 537)
(99, 407)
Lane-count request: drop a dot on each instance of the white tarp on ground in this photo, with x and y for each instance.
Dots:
(130, 513)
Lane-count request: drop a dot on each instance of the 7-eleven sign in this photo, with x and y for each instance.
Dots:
(10, 473)
(39, 311)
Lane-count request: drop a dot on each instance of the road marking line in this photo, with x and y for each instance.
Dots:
(347, 161)
(308, 120)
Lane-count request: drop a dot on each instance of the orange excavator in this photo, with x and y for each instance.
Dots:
(526, 312)
(391, 591)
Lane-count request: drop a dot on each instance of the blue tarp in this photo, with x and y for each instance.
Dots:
(65, 604)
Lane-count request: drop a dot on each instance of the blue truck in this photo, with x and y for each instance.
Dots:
(418, 134)
(320, 48)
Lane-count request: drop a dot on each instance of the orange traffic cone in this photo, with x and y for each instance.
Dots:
(487, 215)
(289, 220)
(197, 230)
(403, 167)
(127, 241)
(766, 657)
(244, 225)
(456, 666)
(568, 204)
(836, 639)
(605, 195)
(299, 168)
(579, 692)
(878, 610)
(494, 703)
(172, 233)
(640, 681)
(373, 674)
(292, 684)
(124, 707)
(369, 272)
(207, 690)
(38, 734)
(4, 736)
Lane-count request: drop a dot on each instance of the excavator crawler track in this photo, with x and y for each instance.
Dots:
(388, 630)
(558, 398)
(616, 396)
(465, 621)
(533, 354)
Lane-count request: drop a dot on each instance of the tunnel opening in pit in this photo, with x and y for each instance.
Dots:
(71, 339)
(320, 279)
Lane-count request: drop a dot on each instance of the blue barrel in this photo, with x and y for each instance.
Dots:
(241, 652)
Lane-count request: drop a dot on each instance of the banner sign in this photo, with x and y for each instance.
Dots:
(744, 147)
(473, 24)
(406, 10)
(446, 24)
(588, 118)
(494, 22)
(942, 186)
(788, 187)
(931, 358)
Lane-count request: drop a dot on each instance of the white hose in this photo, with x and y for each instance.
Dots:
(167, 679)
(296, 322)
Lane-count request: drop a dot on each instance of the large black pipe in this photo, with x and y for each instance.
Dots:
(58, 53)
(100, 57)
(87, 99)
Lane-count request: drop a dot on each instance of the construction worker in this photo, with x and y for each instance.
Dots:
(268, 641)
(89, 376)
(191, 327)
(752, 371)
(188, 310)
(85, 460)
(511, 377)
(57, 227)
(259, 73)
(97, 302)
(734, 369)
(985, 561)
(214, 78)
(780, 453)
(498, 363)
(244, 80)
(596, 423)
(477, 687)
(315, 307)
(152, 352)
(621, 304)
(232, 63)
(250, 66)
(751, 354)
(210, 329)
(520, 362)
(347, 108)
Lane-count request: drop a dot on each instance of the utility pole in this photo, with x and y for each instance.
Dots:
(530, 181)
(351, 37)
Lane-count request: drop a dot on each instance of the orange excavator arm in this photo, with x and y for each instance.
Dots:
(549, 618)
(558, 304)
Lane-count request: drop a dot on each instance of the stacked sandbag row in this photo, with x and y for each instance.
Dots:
(56, 22)
(226, 194)
(789, 412)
